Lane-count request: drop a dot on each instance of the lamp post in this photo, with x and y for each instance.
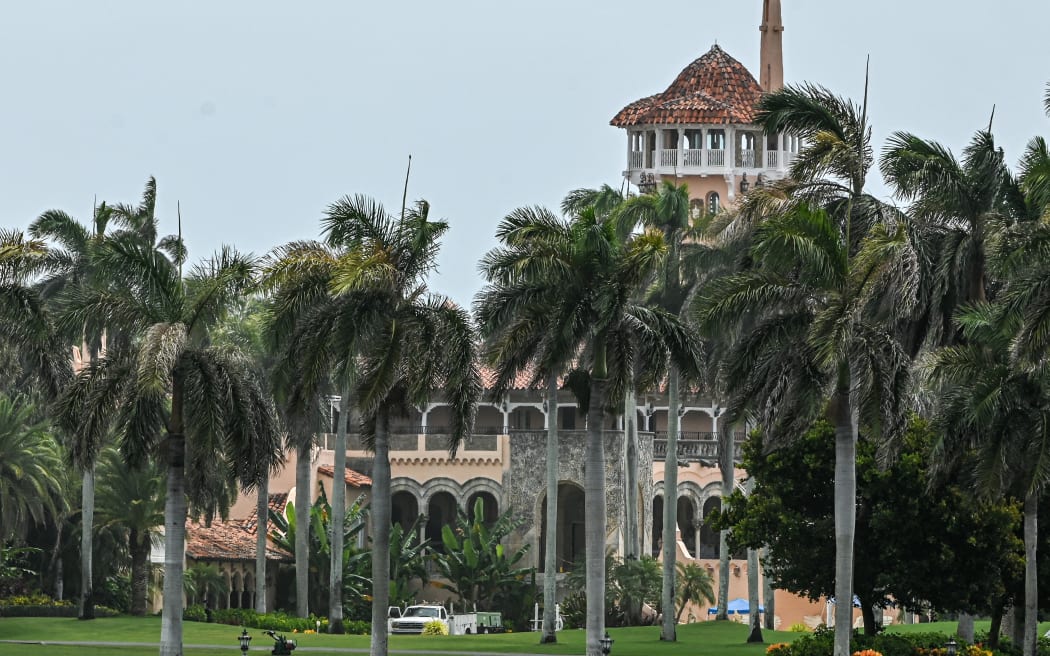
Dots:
(950, 647)
(606, 644)
(244, 639)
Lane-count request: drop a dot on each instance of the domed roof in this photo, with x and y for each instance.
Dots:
(714, 89)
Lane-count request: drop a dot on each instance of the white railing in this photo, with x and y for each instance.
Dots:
(636, 159)
(669, 158)
(772, 159)
(716, 158)
(693, 157)
(746, 159)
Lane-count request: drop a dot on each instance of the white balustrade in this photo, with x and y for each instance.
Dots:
(635, 161)
(693, 157)
(669, 158)
(716, 158)
(772, 159)
(746, 159)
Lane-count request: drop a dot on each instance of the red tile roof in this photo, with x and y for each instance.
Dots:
(352, 478)
(715, 89)
(229, 540)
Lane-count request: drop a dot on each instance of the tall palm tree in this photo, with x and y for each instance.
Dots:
(132, 500)
(694, 587)
(199, 406)
(992, 402)
(376, 324)
(956, 207)
(29, 488)
(668, 212)
(816, 338)
(74, 248)
(586, 273)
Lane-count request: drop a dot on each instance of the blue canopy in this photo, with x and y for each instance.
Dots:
(737, 606)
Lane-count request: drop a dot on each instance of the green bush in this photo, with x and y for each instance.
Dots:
(38, 605)
(435, 628)
(271, 621)
(798, 627)
(357, 627)
(574, 610)
(195, 613)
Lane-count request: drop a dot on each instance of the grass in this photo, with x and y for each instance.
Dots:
(710, 638)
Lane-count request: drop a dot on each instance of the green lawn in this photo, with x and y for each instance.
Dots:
(708, 638)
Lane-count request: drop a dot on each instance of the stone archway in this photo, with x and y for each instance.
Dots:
(687, 522)
(404, 509)
(441, 510)
(490, 511)
(572, 512)
(709, 538)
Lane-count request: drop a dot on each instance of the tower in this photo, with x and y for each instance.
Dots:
(771, 74)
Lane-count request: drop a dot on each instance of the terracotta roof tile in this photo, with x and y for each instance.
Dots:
(352, 478)
(714, 89)
(229, 540)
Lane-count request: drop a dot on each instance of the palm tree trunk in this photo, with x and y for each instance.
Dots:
(175, 506)
(768, 595)
(262, 511)
(754, 616)
(302, 527)
(670, 543)
(965, 629)
(381, 534)
(633, 543)
(595, 528)
(550, 556)
(335, 579)
(1031, 581)
(725, 466)
(87, 524)
(140, 545)
(845, 509)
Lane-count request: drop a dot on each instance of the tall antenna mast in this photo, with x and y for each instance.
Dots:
(404, 196)
(178, 210)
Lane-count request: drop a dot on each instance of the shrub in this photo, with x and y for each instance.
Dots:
(798, 627)
(866, 652)
(38, 605)
(435, 627)
(779, 649)
(574, 610)
(356, 627)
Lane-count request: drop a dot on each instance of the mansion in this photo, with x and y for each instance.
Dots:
(699, 132)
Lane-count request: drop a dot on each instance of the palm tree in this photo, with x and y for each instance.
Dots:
(694, 587)
(72, 264)
(586, 273)
(376, 324)
(991, 402)
(132, 500)
(957, 207)
(29, 488)
(816, 331)
(205, 583)
(217, 424)
(668, 212)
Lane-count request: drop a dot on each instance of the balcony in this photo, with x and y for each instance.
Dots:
(697, 447)
(692, 161)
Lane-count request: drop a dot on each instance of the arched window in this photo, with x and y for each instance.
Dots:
(713, 203)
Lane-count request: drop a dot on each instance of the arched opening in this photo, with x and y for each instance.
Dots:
(709, 536)
(404, 509)
(658, 525)
(249, 592)
(235, 590)
(571, 517)
(490, 509)
(687, 523)
(441, 511)
(714, 203)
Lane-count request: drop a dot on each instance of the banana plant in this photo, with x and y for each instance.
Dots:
(476, 562)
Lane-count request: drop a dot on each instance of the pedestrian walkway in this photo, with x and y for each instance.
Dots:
(265, 648)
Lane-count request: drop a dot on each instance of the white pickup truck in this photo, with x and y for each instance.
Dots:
(413, 618)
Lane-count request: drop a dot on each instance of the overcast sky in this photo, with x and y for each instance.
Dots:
(257, 114)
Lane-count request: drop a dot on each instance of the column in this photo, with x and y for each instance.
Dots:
(681, 147)
(697, 525)
(765, 149)
(659, 155)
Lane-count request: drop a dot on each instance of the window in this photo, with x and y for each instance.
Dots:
(713, 203)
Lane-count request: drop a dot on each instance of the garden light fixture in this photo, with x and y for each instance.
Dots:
(244, 639)
(606, 644)
(950, 647)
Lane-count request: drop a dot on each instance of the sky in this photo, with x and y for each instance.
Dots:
(254, 115)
